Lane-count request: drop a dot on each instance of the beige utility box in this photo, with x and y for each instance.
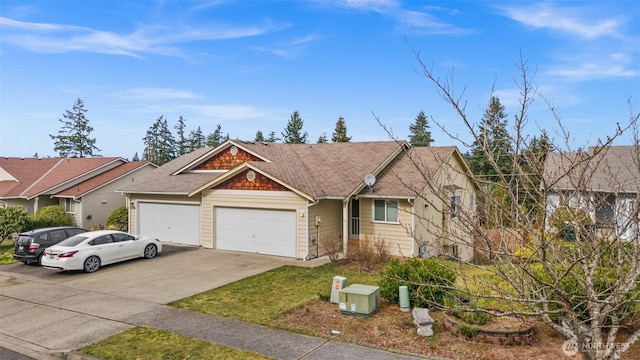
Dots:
(360, 300)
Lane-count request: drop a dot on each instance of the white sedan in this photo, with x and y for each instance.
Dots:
(88, 251)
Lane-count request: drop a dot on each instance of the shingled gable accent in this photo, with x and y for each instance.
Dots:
(260, 182)
(226, 160)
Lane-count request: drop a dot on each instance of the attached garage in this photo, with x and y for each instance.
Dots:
(172, 223)
(261, 231)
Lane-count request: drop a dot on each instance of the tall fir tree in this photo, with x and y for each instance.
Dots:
(293, 132)
(259, 137)
(159, 143)
(135, 157)
(420, 134)
(196, 139)
(323, 139)
(340, 132)
(216, 138)
(493, 142)
(272, 138)
(73, 139)
(182, 144)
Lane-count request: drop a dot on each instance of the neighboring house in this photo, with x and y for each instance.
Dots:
(605, 185)
(292, 199)
(85, 187)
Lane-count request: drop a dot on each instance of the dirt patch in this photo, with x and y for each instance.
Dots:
(393, 329)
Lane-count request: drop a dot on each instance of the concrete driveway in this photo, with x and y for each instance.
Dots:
(47, 312)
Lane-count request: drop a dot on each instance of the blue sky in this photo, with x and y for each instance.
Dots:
(247, 65)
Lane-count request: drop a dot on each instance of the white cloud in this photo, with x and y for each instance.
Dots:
(571, 20)
(56, 38)
(154, 94)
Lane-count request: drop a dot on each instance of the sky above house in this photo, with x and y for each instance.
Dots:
(248, 65)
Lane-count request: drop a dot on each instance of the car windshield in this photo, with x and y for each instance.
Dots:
(73, 241)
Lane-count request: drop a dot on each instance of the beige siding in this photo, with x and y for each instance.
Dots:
(330, 227)
(397, 236)
(135, 199)
(280, 200)
(436, 230)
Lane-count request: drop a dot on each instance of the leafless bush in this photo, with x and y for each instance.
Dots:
(369, 253)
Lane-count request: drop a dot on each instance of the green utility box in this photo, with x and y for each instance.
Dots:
(359, 300)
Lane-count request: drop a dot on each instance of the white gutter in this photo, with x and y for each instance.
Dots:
(306, 256)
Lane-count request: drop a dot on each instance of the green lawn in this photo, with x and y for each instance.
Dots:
(142, 343)
(263, 297)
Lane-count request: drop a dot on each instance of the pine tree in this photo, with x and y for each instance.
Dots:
(216, 138)
(196, 139)
(420, 134)
(259, 137)
(323, 139)
(273, 137)
(159, 143)
(73, 139)
(181, 141)
(492, 142)
(340, 133)
(135, 157)
(293, 132)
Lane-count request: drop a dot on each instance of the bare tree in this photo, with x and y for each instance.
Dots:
(569, 255)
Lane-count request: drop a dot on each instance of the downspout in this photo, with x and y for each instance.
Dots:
(306, 256)
(345, 226)
(413, 227)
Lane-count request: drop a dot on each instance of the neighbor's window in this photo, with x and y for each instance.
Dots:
(69, 205)
(455, 204)
(385, 210)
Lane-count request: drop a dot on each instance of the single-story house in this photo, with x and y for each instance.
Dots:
(292, 199)
(603, 182)
(85, 187)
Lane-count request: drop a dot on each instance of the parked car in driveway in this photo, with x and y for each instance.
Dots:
(31, 244)
(91, 250)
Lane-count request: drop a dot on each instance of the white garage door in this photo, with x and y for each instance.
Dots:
(173, 223)
(271, 232)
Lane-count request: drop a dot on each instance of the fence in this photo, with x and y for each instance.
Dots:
(499, 242)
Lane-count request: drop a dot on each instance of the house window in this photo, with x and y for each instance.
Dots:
(69, 205)
(385, 210)
(455, 204)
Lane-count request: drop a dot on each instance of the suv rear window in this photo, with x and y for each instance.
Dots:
(25, 240)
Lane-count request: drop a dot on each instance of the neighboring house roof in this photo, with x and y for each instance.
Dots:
(103, 179)
(611, 169)
(329, 170)
(31, 177)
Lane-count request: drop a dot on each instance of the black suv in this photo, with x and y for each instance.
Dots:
(31, 244)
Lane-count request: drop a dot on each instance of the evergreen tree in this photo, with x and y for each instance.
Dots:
(273, 137)
(323, 139)
(159, 143)
(196, 139)
(293, 132)
(73, 139)
(340, 133)
(135, 157)
(181, 142)
(420, 134)
(259, 137)
(216, 138)
(493, 142)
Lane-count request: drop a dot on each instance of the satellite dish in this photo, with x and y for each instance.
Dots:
(369, 179)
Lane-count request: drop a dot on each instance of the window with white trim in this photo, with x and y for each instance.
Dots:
(69, 205)
(456, 204)
(385, 210)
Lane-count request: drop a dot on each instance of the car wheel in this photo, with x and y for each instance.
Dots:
(150, 251)
(91, 264)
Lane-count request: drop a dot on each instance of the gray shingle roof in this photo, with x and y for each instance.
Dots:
(614, 169)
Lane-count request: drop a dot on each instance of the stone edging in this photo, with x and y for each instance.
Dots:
(524, 336)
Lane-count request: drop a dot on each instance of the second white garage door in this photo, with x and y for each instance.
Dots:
(271, 232)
